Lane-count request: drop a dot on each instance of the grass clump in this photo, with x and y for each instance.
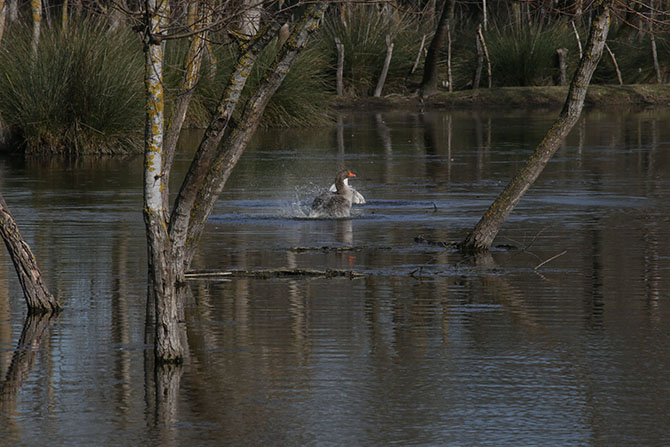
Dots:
(526, 55)
(299, 101)
(81, 94)
(362, 30)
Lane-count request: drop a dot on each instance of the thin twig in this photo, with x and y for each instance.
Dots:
(550, 259)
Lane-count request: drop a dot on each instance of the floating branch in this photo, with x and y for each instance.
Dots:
(274, 273)
(550, 259)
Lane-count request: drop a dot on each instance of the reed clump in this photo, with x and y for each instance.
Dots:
(362, 30)
(81, 93)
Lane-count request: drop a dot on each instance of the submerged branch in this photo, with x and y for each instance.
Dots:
(283, 272)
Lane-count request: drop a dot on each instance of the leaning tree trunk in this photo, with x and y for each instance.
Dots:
(38, 298)
(429, 81)
(487, 228)
(214, 163)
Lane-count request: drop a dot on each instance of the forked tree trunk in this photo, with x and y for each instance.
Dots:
(198, 17)
(172, 236)
(38, 298)
(207, 176)
(482, 236)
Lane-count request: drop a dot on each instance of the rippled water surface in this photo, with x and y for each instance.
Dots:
(559, 337)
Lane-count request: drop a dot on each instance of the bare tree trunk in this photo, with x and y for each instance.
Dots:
(486, 54)
(579, 42)
(482, 236)
(450, 79)
(36, 6)
(12, 10)
(64, 14)
(616, 66)
(480, 64)
(163, 270)
(429, 81)
(3, 17)
(652, 37)
(385, 68)
(418, 55)
(38, 298)
(340, 67)
(562, 65)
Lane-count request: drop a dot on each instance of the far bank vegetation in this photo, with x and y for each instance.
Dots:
(71, 73)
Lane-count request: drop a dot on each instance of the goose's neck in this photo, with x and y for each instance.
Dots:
(342, 185)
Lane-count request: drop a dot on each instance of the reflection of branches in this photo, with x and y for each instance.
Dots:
(23, 359)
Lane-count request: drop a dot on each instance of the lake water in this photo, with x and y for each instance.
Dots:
(428, 348)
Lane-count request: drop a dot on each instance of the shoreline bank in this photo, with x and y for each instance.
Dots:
(633, 95)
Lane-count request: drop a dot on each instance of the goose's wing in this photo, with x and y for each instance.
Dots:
(357, 198)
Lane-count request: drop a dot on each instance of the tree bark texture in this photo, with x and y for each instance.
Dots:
(482, 236)
(429, 81)
(162, 268)
(37, 296)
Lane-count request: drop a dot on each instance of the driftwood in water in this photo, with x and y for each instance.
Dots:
(282, 272)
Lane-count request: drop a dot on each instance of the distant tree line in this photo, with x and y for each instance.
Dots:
(87, 64)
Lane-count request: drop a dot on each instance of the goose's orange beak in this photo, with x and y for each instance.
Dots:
(351, 174)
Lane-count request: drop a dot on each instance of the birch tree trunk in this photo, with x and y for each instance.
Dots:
(385, 68)
(12, 10)
(38, 298)
(3, 17)
(162, 268)
(482, 236)
(64, 14)
(36, 7)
